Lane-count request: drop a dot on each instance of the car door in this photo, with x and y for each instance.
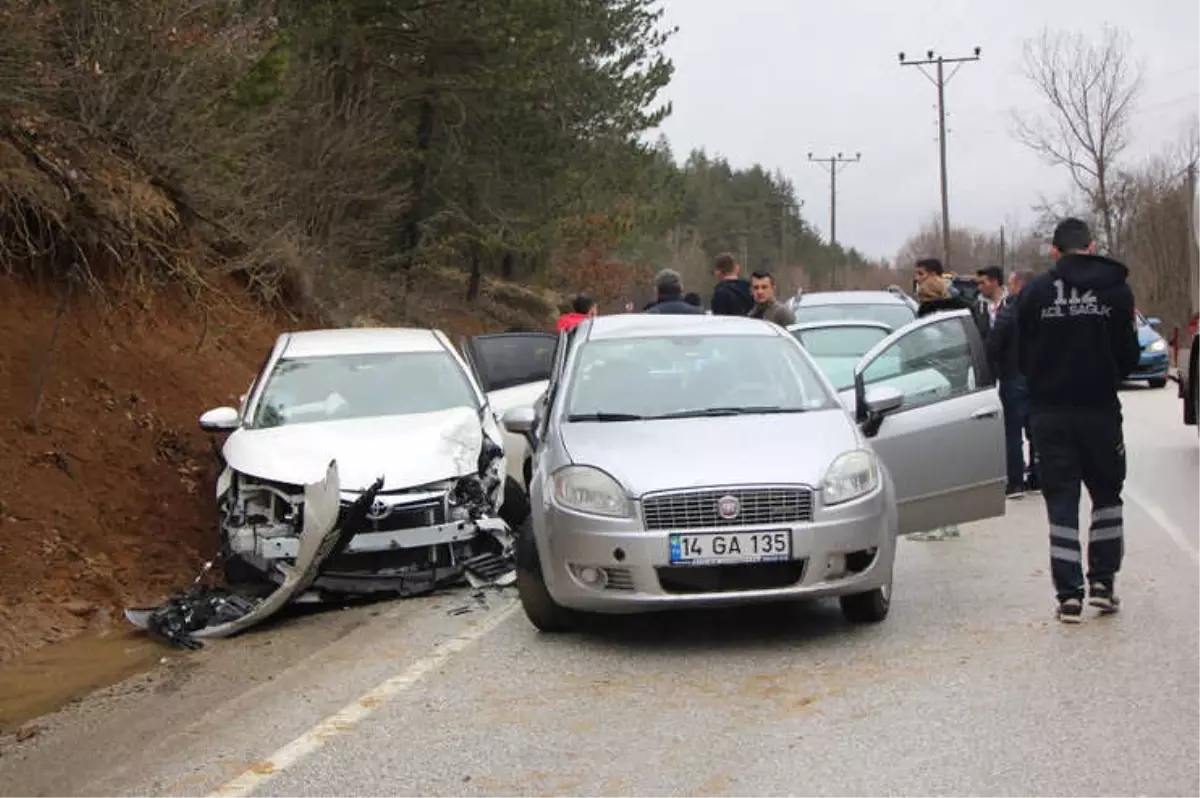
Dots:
(944, 444)
(512, 370)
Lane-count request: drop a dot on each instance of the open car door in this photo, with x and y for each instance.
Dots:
(512, 370)
(944, 443)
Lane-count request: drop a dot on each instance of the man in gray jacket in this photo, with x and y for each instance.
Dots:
(766, 306)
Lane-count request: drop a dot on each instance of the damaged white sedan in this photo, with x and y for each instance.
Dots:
(396, 404)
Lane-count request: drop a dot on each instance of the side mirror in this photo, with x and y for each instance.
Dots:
(220, 419)
(881, 399)
(521, 421)
(1154, 321)
(877, 403)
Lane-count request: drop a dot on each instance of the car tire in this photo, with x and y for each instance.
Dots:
(515, 509)
(238, 573)
(1157, 382)
(546, 614)
(869, 607)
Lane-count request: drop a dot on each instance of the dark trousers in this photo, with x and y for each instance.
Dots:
(1014, 398)
(1082, 447)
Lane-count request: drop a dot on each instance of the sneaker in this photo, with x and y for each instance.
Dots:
(1103, 598)
(1070, 610)
(1014, 491)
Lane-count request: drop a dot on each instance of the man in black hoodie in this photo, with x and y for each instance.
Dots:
(1076, 341)
(732, 296)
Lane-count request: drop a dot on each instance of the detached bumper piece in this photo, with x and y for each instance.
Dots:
(217, 612)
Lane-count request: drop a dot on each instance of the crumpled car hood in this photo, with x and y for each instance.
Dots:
(406, 450)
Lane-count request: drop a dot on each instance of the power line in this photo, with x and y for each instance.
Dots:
(940, 82)
(832, 164)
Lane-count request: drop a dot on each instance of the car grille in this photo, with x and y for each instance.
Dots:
(756, 506)
(415, 515)
(685, 579)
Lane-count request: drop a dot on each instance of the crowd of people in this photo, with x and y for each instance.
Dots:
(1059, 343)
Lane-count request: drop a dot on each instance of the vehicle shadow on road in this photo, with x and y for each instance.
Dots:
(767, 626)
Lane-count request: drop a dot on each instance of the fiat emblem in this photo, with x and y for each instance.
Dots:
(728, 507)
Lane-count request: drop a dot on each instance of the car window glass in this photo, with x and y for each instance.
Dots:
(837, 350)
(505, 361)
(340, 387)
(894, 315)
(680, 374)
(928, 364)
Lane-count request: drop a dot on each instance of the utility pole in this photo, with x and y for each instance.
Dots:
(1001, 246)
(940, 82)
(1193, 241)
(832, 164)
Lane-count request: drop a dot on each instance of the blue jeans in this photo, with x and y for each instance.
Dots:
(1014, 398)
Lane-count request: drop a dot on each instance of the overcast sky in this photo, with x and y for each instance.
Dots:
(768, 80)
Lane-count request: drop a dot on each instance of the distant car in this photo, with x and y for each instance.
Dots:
(1154, 366)
(395, 403)
(1188, 371)
(889, 307)
(691, 462)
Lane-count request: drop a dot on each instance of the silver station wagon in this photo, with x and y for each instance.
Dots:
(696, 461)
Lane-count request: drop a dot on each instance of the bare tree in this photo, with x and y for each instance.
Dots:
(1090, 88)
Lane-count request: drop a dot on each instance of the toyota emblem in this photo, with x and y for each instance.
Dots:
(379, 510)
(728, 507)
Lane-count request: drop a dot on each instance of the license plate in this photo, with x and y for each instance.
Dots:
(721, 548)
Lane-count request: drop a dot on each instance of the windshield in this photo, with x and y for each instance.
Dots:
(678, 376)
(340, 387)
(894, 316)
(837, 350)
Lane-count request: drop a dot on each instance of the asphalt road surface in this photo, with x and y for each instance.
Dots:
(969, 688)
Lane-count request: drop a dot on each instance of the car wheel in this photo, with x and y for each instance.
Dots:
(515, 509)
(540, 607)
(1157, 382)
(869, 607)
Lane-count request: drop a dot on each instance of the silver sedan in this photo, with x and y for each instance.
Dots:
(706, 461)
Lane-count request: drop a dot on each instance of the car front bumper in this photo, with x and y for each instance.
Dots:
(1152, 366)
(845, 549)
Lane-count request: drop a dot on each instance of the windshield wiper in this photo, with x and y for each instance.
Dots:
(605, 417)
(747, 410)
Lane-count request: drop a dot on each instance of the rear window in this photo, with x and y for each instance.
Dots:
(894, 316)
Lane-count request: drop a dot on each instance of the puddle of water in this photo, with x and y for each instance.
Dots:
(47, 678)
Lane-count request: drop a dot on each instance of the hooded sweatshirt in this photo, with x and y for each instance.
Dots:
(1077, 333)
(569, 321)
(732, 298)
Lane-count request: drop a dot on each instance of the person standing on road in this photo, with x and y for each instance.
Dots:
(993, 291)
(1076, 341)
(732, 295)
(766, 306)
(668, 291)
(582, 307)
(1014, 389)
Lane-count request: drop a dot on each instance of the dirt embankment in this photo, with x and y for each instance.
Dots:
(109, 501)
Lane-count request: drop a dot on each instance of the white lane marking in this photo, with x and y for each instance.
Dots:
(352, 714)
(1159, 517)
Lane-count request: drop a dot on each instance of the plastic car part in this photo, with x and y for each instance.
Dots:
(218, 612)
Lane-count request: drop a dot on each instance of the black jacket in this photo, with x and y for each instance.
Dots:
(732, 298)
(1077, 333)
(955, 302)
(673, 304)
(1002, 341)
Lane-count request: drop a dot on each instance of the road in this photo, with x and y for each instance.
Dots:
(970, 687)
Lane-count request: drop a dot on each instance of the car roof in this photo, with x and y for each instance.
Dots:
(850, 298)
(361, 341)
(652, 325)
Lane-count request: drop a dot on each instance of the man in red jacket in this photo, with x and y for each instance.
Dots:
(582, 307)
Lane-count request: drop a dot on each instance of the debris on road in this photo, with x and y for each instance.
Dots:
(219, 612)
